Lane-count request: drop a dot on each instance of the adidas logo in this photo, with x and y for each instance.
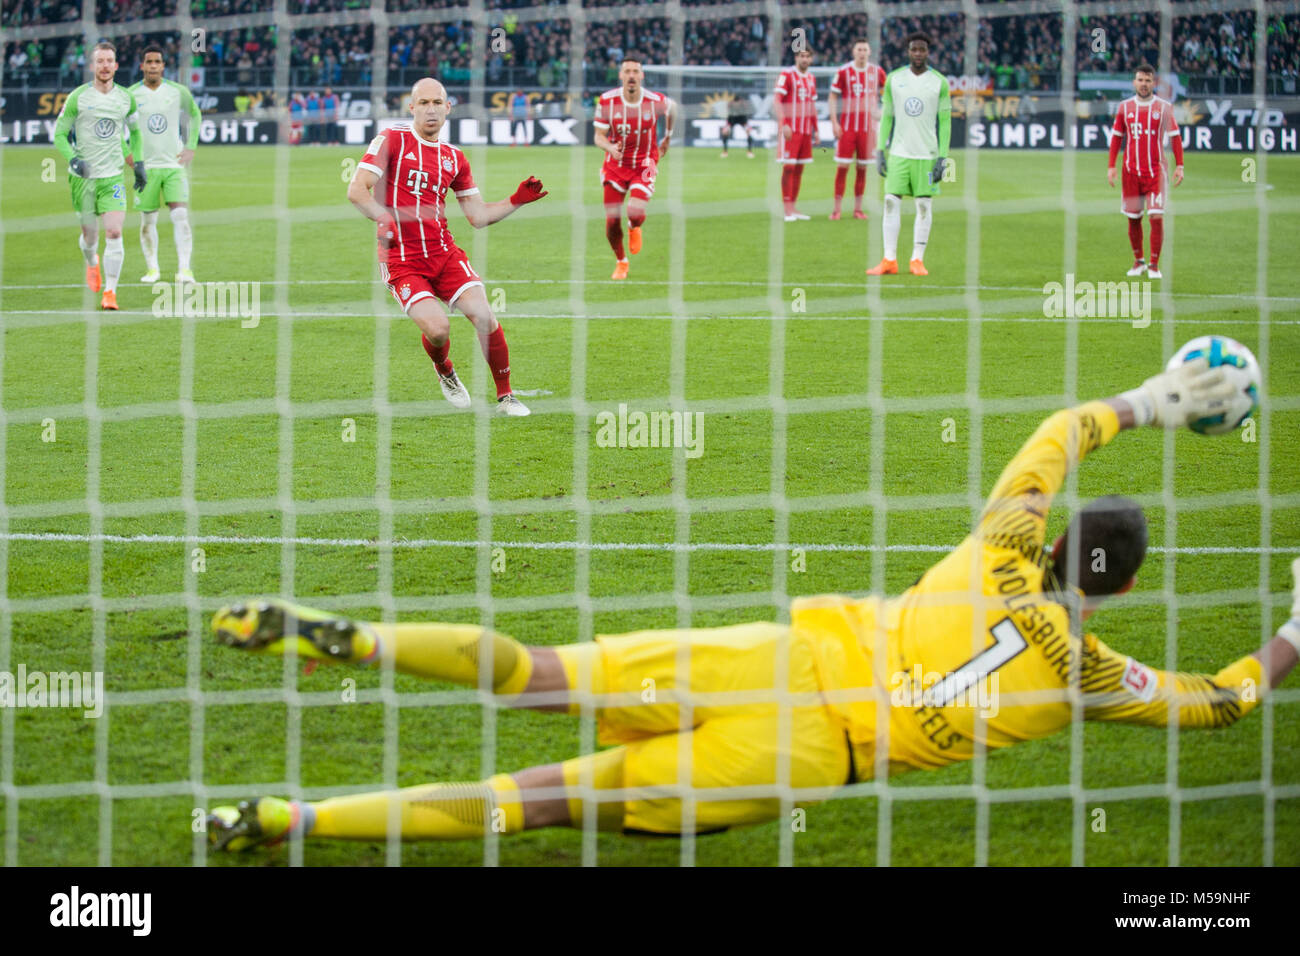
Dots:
(411, 156)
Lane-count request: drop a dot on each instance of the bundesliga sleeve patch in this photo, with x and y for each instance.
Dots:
(375, 144)
(1139, 680)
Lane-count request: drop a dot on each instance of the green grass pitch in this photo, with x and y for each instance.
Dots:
(867, 384)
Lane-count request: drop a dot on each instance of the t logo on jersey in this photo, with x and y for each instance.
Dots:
(417, 180)
(623, 128)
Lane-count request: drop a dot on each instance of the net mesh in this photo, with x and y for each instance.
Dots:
(667, 300)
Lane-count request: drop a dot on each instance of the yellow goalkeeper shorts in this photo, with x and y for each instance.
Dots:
(739, 731)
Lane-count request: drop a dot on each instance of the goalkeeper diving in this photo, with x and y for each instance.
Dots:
(800, 710)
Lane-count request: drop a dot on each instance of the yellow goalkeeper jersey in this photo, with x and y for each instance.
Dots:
(976, 649)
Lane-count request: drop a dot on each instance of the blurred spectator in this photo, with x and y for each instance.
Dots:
(312, 125)
(1023, 52)
(329, 115)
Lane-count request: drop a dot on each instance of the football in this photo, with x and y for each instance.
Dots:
(1241, 367)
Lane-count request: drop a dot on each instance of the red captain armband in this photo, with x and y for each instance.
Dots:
(530, 190)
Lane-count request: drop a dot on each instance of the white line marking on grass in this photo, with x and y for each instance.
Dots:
(127, 317)
(409, 543)
(902, 286)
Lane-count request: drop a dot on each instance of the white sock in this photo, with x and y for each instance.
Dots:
(149, 239)
(113, 256)
(184, 237)
(921, 228)
(89, 255)
(892, 222)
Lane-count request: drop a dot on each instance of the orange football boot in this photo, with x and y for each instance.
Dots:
(620, 271)
(93, 281)
(109, 301)
(917, 268)
(634, 240)
(887, 267)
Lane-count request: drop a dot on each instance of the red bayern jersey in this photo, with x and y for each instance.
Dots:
(414, 179)
(797, 92)
(1144, 126)
(859, 92)
(633, 125)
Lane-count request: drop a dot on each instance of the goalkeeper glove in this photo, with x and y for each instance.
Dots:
(880, 162)
(530, 190)
(1189, 392)
(141, 177)
(387, 231)
(936, 173)
(77, 165)
(1290, 631)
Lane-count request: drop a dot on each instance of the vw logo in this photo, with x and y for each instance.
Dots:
(913, 106)
(157, 123)
(105, 128)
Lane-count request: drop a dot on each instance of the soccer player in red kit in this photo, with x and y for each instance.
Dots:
(795, 106)
(1144, 121)
(859, 83)
(402, 184)
(627, 124)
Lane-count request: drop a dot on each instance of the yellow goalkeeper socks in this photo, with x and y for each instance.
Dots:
(452, 652)
(439, 811)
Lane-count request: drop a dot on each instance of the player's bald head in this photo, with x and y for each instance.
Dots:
(427, 88)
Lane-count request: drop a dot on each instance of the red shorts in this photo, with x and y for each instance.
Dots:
(1135, 189)
(445, 278)
(861, 144)
(797, 148)
(621, 181)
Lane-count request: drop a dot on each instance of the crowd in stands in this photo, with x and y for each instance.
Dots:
(1021, 52)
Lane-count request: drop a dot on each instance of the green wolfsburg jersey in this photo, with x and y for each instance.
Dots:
(161, 114)
(916, 104)
(99, 122)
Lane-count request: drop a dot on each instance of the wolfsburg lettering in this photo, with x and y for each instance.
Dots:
(102, 909)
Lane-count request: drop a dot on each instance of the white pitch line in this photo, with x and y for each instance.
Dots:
(120, 317)
(659, 283)
(55, 536)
